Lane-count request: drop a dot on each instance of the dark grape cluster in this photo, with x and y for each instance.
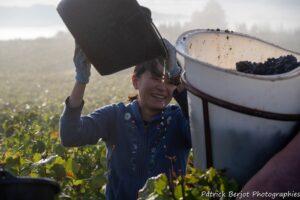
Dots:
(272, 66)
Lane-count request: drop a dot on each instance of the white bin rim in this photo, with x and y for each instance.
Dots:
(181, 47)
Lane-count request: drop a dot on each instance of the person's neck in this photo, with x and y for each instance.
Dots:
(148, 114)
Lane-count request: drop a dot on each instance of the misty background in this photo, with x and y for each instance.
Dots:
(34, 39)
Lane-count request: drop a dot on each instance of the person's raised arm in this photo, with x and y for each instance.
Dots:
(70, 118)
(83, 68)
(76, 97)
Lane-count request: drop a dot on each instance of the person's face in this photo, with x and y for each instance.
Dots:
(155, 92)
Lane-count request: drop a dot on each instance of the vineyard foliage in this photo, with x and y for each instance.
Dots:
(29, 138)
(36, 77)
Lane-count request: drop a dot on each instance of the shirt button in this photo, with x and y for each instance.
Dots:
(153, 150)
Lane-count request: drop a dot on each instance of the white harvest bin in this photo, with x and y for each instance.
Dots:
(249, 117)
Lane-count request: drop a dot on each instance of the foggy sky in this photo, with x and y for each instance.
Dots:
(277, 14)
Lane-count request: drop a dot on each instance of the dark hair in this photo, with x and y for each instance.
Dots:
(149, 65)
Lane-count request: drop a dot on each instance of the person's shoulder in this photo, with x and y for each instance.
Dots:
(121, 106)
(112, 107)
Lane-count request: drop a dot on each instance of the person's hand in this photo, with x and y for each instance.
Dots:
(173, 67)
(82, 64)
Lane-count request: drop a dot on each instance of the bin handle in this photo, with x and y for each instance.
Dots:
(236, 107)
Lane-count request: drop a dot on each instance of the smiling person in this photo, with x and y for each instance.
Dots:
(145, 137)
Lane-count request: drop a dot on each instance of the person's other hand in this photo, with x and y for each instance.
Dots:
(173, 67)
(82, 64)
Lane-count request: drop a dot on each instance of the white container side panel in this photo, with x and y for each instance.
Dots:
(242, 148)
(197, 131)
(241, 143)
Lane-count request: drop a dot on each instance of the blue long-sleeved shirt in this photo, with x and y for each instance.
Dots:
(135, 150)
